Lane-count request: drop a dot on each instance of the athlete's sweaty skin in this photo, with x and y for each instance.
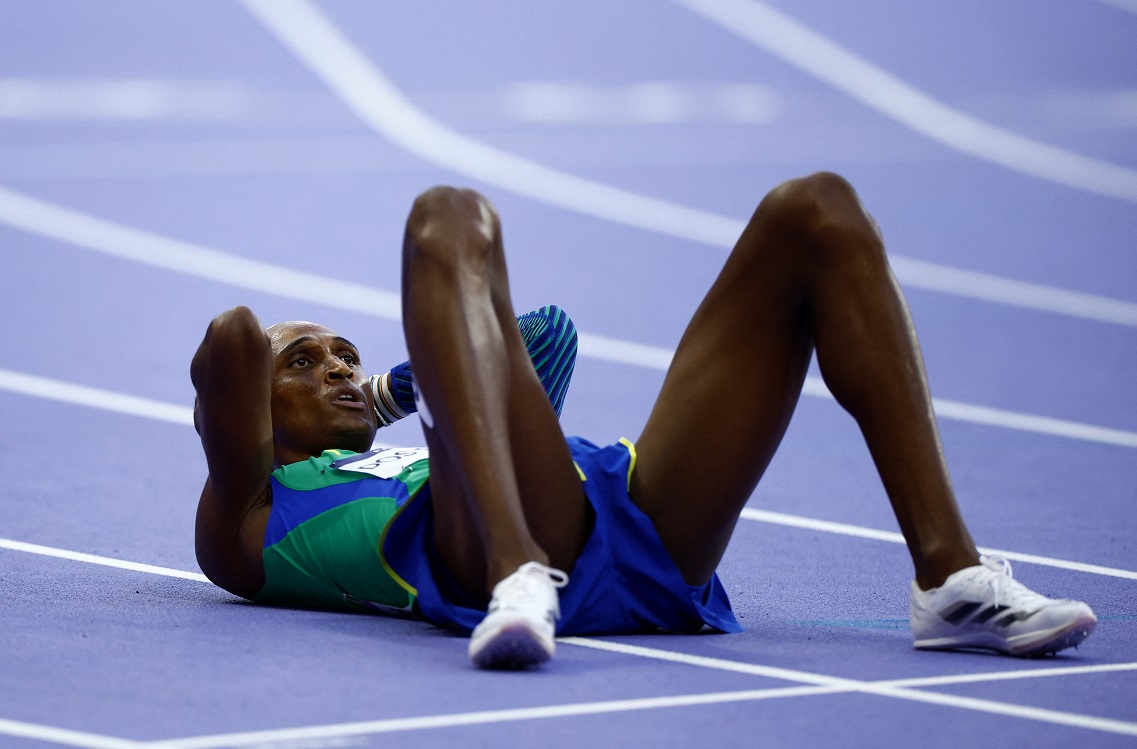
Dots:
(808, 273)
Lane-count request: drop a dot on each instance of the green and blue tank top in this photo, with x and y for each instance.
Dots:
(321, 545)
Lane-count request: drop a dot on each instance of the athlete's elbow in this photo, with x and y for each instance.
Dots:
(234, 330)
(237, 323)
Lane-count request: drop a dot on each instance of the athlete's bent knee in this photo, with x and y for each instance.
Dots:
(823, 212)
(809, 202)
(450, 226)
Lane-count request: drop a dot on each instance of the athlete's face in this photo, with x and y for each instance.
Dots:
(319, 396)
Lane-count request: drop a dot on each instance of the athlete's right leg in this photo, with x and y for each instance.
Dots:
(808, 271)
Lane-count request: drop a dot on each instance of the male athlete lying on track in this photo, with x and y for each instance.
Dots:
(558, 535)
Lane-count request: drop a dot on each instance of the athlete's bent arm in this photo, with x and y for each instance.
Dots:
(232, 374)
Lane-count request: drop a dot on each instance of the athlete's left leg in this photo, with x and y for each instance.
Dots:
(507, 499)
(503, 481)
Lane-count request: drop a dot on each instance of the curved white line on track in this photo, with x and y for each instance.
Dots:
(885, 93)
(1129, 5)
(344, 295)
(82, 230)
(997, 417)
(895, 688)
(807, 677)
(481, 717)
(40, 217)
(82, 395)
(78, 556)
(64, 736)
(986, 287)
(47, 219)
(957, 411)
(319, 44)
(813, 685)
(127, 243)
(817, 684)
(316, 41)
(832, 686)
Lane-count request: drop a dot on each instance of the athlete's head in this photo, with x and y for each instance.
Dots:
(320, 398)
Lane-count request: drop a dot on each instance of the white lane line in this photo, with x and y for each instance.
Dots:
(320, 45)
(1034, 673)
(65, 736)
(857, 531)
(612, 706)
(595, 347)
(82, 395)
(878, 89)
(82, 230)
(1022, 294)
(592, 346)
(451, 720)
(807, 677)
(815, 685)
(652, 357)
(124, 242)
(886, 688)
(134, 99)
(78, 556)
(89, 232)
(957, 411)
(997, 417)
(748, 513)
(1129, 5)
(718, 664)
(73, 227)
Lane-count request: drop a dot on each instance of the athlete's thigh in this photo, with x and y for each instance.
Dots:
(556, 509)
(553, 502)
(725, 403)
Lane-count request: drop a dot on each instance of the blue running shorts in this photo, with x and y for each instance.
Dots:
(624, 580)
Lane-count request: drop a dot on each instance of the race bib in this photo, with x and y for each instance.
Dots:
(386, 463)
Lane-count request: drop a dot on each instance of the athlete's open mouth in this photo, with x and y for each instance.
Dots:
(350, 399)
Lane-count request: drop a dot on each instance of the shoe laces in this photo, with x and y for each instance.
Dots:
(536, 569)
(998, 574)
(528, 585)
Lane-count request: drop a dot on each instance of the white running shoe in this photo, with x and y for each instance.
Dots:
(521, 621)
(984, 607)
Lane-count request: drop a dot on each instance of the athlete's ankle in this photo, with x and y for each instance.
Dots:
(934, 566)
(499, 568)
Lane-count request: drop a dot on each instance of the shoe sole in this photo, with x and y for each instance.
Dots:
(513, 646)
(1028, 645)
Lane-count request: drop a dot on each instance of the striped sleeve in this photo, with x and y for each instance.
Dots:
(550, 337)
